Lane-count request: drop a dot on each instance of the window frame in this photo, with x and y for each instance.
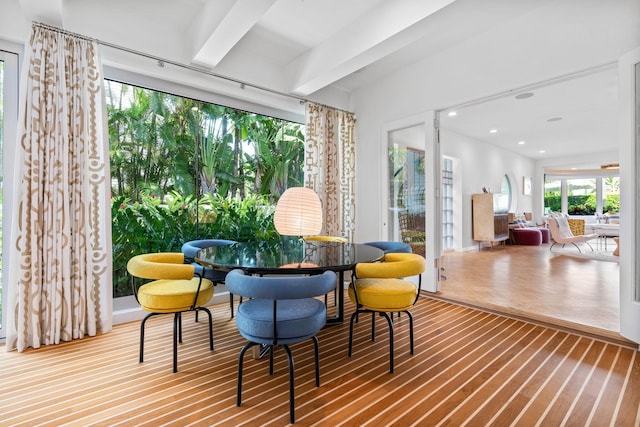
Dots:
(599, 175)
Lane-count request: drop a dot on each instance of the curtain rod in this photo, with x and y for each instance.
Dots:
(162, 61)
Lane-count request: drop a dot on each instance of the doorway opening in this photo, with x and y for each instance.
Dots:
(489, 136)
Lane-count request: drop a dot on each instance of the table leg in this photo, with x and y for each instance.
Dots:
(339, 317)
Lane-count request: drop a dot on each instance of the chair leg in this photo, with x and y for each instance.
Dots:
(386, 316)
(292, 415)
(354, 316)
(410, 330)
(231, 303)
(176, 326)
(179, 315)
(206, 310)
(142, 335)
(240, 362)
(373, 326)
(271, 360)
(316, 346)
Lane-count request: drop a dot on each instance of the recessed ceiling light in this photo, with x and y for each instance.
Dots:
(541, 151)
(493, 131)
(452, 114)
(524, 95)
(554, 119)
(521, 142)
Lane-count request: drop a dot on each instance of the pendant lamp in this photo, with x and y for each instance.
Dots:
(298, 213)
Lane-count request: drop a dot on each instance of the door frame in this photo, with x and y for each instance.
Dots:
(431, 278)
(629, 97)
(10, 55)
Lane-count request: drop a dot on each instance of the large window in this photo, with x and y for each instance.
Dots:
(552, 196)
(183, 169)
(611, 194)
(582, 195)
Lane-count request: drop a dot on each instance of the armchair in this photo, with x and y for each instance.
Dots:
(173, 289)
(379, 288)
(561, 233)
(281, 311)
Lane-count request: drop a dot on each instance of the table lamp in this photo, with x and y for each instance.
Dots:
(298, 213)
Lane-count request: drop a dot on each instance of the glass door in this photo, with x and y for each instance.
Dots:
(411, 178)
(406, 190)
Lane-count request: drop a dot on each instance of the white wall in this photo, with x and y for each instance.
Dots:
(484, 165)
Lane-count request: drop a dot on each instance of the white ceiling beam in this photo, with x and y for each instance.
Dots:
(218, 36)
(371, 37)
(45, 11)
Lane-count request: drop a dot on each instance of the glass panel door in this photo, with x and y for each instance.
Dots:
(406, 187)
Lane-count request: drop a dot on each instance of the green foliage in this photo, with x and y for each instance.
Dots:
(553, 202)
(183, 169)
(582, 205)
(152, 226)
(612, 203)
(244, 220)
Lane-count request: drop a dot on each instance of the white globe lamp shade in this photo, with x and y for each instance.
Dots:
(298, 213)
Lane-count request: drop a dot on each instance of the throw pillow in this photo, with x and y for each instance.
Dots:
(520, 223)
(563, 227)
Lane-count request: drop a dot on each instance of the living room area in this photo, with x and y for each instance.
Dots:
(498, 146)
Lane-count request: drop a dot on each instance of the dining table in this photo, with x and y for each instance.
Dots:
(289, 255)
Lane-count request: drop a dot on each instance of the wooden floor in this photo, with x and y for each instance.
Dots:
(534, 283)
(470, 367)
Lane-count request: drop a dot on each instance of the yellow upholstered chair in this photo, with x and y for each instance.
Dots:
(173, 289)
(379, 288)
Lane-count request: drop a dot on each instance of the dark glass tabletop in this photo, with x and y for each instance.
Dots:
(288, 255)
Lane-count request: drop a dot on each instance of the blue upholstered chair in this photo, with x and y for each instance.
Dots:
(391, 247)
(173, 289)
(378, 288)
(191, 248)
(281, 311)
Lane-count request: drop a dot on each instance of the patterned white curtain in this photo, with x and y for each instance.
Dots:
(60, 273)
(330, 166)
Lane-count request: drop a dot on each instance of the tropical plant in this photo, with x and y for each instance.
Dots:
(184, 169)
(152, 226)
